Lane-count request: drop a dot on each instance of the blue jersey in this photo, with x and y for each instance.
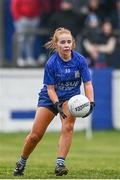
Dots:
(65, 76)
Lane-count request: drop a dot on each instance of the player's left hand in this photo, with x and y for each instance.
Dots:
(92, 105)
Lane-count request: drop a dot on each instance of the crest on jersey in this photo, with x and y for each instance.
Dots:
(77, 74)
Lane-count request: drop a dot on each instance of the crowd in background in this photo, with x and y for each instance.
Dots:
(94, 23)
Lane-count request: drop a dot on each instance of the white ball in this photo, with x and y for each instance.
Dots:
(79, 105)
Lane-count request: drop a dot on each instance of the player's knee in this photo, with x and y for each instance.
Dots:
(34, 138)
(69, 128)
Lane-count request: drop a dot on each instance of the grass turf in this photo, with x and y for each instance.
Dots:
(98, 158)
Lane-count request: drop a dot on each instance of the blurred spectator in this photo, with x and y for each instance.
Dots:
(66, 17)
(110, 46)
(26, 16)
(93, 6)
(115, 16)
(100, 45)
(114, 59)
(49, 7)
(79, 5)
(90, 38)
(106, 46)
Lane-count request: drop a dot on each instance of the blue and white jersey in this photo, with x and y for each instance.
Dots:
(65, 76)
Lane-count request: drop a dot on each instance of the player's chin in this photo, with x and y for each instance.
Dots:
(66, 52)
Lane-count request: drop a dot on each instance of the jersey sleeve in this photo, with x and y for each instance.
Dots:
(85, 73)
(49, 75)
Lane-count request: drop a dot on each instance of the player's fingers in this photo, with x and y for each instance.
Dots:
(63, 115)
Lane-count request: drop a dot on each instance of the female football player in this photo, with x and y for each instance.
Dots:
(64, 72)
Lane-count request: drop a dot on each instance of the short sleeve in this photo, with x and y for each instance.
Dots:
(49, 75)
(85, 73)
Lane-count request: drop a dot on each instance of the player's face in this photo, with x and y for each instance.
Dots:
(64, 45)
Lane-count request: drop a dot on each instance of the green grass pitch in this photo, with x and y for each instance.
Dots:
(98, 158)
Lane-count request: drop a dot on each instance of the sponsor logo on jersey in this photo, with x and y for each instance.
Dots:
(67, 85)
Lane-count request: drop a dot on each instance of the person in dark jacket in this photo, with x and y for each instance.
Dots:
(66, 17)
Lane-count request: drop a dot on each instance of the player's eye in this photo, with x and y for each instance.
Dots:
(62, 42)
(69, 41)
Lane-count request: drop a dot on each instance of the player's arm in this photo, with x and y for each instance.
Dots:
(88, 88)
(52, 94)
(54, 98)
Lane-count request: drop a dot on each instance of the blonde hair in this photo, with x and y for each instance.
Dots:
(51, 44)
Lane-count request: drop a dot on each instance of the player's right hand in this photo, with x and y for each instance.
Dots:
(58, 106)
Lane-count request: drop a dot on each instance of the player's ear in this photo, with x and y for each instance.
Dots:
(73, 44)
(55, 45)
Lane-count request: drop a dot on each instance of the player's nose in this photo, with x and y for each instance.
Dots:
(66, 44)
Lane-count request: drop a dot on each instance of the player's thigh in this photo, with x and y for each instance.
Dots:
(42, 119)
